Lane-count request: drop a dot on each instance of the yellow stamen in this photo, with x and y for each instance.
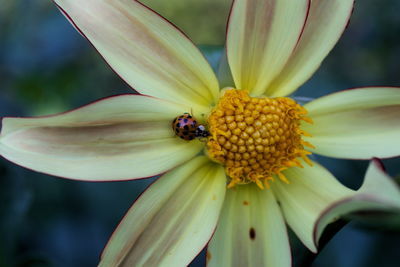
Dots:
(283, 177)
(305, 143)
(257, 138)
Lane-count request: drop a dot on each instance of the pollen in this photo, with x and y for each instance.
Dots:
(257, 138)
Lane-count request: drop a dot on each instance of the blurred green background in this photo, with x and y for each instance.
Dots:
(47, 67)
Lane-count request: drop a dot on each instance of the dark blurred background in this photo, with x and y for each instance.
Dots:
(47, 67)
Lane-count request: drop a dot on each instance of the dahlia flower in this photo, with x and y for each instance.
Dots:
(237, 185)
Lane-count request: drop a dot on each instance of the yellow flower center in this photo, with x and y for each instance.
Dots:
(256, 138)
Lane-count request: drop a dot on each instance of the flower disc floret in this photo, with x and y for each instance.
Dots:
(256, 138)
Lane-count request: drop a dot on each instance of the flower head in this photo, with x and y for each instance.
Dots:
(255, 137)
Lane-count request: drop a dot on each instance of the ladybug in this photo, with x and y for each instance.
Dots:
(186, 127)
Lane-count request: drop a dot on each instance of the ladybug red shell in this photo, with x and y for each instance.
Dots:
(186, 127)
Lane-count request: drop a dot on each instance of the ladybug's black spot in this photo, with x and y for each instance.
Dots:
(252, 233)
(193, 131)
(178, 125)
(177, 131)
(186, 127)
(189, 117)
(185, 120)
(185, 133)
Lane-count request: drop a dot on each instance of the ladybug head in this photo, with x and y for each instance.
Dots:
(201, 131)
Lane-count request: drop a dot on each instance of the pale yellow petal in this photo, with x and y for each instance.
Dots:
(314, 198)
(172, 221)
(359, 123)
(310, 191)
(119, 138)
(149, 53)
(251, 231)
(325, 24)
(261, 37)
(378, 193)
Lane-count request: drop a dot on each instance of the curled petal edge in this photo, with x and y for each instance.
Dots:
(368, 197)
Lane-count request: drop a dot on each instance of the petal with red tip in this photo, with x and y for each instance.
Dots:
(378, 193)
(261, 37)
(314, 198)
(325, 24)
(172, 221)
(119, 138)
(147, 51)
(358, 123)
